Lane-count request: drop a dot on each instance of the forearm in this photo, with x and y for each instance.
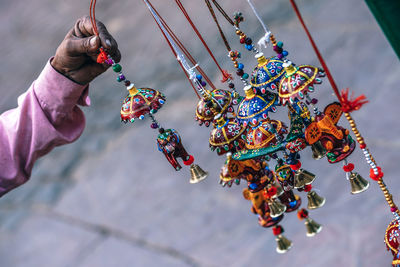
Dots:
(47, 116)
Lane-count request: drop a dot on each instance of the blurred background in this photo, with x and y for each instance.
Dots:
(111, 199)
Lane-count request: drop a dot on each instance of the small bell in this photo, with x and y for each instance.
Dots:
(314, 200)
(318, 150)
(284, 244)
(197, 174)
(302, 178)
(276, 208)
(358, 184)
(279, 189)
(313, 228)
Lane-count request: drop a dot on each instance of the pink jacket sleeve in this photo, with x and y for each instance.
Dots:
(47, 116)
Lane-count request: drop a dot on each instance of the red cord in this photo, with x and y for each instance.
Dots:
(93, 16)
(321, 59)
(225, 74)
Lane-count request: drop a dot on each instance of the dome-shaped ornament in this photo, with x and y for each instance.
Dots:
(265, 134)
(392, 241)
(267, 74)
(228, 135)
(218, 102)
(141, 102)
(298, 82)
(254, 108)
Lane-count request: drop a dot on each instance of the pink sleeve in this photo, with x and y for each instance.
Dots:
(47, 116)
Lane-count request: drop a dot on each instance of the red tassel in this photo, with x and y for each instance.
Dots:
(351, 104)
(226, 76)
(102, 57)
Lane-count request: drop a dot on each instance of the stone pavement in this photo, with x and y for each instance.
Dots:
(111, 199)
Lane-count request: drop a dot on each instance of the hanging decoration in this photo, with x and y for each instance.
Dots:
(358, 184)
(261, 151)
(142, 102)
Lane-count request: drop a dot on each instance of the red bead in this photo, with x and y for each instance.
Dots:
(272, 191)
(127, 83)
(277, 230)
(363, 145)
(349, 167)
(302, 214)
(242, 40)
(296, 167)
(374, 176)
(189, 161)
(307, 188)
(240, 72)
(393, 209)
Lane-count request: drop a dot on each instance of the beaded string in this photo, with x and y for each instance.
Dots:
(375, 172)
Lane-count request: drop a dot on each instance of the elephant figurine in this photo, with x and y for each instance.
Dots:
(335, 139)
(260, 207)
(170, 144)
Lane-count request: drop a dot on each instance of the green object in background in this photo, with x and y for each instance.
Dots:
(387, 13)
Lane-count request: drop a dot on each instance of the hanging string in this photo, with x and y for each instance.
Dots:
(320, 58)
(210, 8)
(265, 39)
(225, 75)
(181, 46)
(93, 16)
(222, 11)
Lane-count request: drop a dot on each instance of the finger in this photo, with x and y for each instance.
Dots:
(78, 46)
(107, 41)
(84, 27)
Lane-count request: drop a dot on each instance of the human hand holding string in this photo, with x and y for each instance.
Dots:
(76, 56)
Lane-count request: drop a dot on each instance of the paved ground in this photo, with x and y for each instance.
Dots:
(111, 199)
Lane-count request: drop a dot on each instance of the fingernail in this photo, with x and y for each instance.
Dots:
(93, 41)
(108, 42)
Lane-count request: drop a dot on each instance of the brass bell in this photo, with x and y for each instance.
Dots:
(358, 184)
(302, 178)
(313, 228)
(284, 244)
(276, 208)
(314, 200)
(197, 174)
(318, 150)
(279, 189)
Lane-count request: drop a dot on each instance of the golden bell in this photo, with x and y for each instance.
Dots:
(302, 178)
(284, 244)
(314, 200)
(358, 184)
(313, 228)
(197, 174)
(276, 208)
(318, 150)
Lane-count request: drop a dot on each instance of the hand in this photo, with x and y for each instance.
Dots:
(76, 56)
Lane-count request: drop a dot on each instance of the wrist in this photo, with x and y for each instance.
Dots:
(59, 67)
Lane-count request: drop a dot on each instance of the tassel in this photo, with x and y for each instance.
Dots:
(350, 104)
(264, 41)
(226, 76)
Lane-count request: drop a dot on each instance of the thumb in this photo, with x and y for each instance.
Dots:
(89, 45)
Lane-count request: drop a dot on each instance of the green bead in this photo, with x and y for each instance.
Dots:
(117, 68)
(245, 76)
(280, 44)
(119, 79)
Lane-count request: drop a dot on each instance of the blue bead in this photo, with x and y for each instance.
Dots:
(240, 66)
(253, 186)
(292, 204)
(199, 77)
(203, 83)
(245, 76)
(285, 53)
